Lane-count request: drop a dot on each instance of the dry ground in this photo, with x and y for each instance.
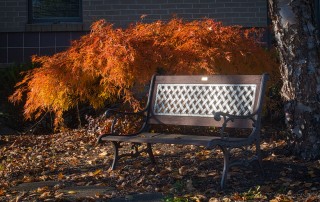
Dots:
(182, 171)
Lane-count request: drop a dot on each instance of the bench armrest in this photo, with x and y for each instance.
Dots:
(99, 141)
(143, 113)
(230, 117)
(117, 114)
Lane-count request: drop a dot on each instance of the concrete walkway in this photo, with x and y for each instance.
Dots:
(74, 193)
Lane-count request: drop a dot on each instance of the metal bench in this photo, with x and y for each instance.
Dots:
(224, 101)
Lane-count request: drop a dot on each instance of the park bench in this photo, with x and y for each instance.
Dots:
(221, 101)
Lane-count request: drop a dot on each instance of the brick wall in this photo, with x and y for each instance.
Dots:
(20, 46)
(13, 15)
(248, 13)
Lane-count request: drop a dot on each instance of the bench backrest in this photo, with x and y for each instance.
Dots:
(193, 100)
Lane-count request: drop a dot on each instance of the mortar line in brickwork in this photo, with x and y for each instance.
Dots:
(23, 47)
(39, 38)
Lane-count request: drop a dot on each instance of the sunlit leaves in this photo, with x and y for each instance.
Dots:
(106, 63)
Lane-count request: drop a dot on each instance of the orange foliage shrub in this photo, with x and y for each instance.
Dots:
(108, 62)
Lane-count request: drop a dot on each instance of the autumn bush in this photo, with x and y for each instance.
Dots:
(108, 62)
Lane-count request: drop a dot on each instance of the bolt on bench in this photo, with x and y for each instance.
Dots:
(224, 101)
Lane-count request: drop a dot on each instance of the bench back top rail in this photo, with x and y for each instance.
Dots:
(193, 100)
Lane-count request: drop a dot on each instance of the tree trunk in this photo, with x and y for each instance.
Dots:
(298, 47)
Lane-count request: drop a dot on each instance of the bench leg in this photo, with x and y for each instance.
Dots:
(150, 153)
(115, 154)
(226, 157)
(258, 151)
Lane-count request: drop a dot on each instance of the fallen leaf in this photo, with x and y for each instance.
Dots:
(42, 189)
(97, 172)
(296, 183)
(2, 192)
(60, 176)
(140, 180)
(312, 198)
(307, 185)
(157, 152)
(102, 154)
(202, 175)
(18, 198)
(27, 179)
(80, 183)
(226, 199)
(59, 195)
(183, 170)
(44, 195)
(281, 198)
(214, 199)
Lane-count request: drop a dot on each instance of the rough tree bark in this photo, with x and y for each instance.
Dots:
(298, 47)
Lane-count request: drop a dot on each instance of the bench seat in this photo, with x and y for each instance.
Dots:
(209, 142)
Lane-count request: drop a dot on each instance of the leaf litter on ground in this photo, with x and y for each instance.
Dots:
(188, 172)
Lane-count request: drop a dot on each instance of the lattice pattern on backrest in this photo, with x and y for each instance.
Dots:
(203, 100)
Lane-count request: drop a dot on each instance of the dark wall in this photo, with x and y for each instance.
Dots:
(20, 46)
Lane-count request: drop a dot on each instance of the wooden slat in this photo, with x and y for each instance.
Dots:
(198, 121)
(211, 79)
(168, 139)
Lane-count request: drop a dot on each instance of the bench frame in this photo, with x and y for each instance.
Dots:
(246, 119)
